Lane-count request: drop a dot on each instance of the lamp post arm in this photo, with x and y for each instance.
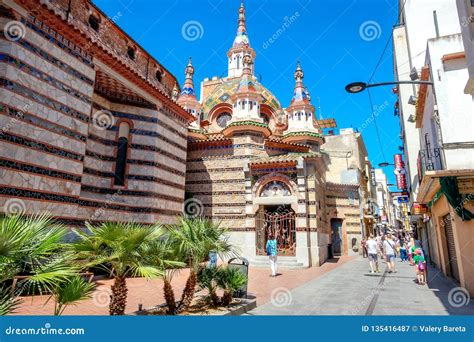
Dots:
(398, 82)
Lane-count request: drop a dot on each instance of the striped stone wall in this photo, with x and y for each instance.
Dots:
(55, 158)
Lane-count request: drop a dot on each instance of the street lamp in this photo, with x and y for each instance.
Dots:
(357, 87)
(385, 164)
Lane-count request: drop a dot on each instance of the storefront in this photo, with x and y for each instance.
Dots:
(449, 196)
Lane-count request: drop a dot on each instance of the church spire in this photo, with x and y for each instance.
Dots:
(241, 38)
(188, 88)
(300, 95)
(240, 46)
(187, 99)
(300, 111)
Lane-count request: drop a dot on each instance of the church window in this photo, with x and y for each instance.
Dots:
(94, 22)
(251, 105)
(275, 189)
(238, 61)
(265, 118)
(223, 119)
(131, 53)
(158, 75)
(121, 158)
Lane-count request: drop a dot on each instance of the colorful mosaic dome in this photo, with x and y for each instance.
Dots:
(223, 92)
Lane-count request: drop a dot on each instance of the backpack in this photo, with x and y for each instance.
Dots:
(421, 265)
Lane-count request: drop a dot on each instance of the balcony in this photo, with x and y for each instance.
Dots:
(429, 160)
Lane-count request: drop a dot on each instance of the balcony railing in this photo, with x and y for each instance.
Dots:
(429, 160)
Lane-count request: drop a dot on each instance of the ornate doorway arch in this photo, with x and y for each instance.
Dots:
(279, 221)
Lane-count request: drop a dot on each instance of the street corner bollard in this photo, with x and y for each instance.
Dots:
(243, 265)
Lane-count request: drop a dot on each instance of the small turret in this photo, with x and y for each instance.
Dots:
(187, 99)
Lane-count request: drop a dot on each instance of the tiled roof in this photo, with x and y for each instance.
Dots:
(248, 122)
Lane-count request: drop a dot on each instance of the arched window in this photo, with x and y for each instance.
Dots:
(223, 119)
(158, 75)
(131, 53)
(275, 189)
(121, 159)
(94, 22)
(265, 118)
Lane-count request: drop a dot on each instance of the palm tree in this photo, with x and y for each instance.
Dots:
(207, 280)
(195, 238)
(164, 255)
(230, 279)
(34, 247)
(9, 301)
(70, 292)
(120, 249)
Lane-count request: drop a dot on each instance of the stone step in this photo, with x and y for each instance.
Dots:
(280, 258)
(280, 263)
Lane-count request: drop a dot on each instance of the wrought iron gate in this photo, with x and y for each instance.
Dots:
(281, 223)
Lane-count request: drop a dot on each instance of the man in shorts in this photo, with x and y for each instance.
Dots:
(372, 251)
(389, 251)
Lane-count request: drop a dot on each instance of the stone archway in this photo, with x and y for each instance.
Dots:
(275, 205)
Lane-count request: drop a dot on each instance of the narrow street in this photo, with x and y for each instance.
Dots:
(351, 290)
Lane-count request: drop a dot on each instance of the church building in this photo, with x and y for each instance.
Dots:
(93, 128)
(259, 167)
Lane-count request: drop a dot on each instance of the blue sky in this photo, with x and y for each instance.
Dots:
(337, 42)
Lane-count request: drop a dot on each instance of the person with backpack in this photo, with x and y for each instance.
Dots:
(389, 251)
(420, 266)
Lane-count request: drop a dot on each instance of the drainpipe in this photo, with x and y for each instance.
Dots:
(435, 19)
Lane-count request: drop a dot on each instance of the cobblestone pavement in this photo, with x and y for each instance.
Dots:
(352, 290)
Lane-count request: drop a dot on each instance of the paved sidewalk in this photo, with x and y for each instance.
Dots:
(352, 290)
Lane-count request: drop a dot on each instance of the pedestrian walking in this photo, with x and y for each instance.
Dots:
(420, 266)
(271, 249)
(403, 251)
(410, 249)
(363, 243)
(389, 251)
(372, 253)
